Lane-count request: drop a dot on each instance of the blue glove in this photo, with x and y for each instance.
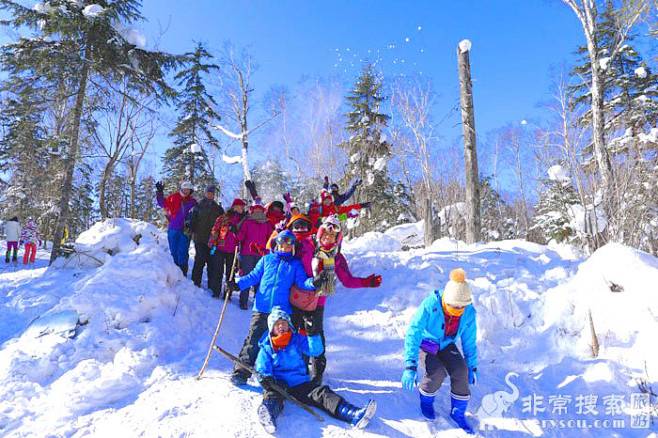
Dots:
(409, 379)
(213, 250)
(473, 375)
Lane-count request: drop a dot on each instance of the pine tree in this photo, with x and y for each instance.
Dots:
(497, 221)
(553, 216)
(75, 44)
(182, 162)
(369, 152)
(271, 181)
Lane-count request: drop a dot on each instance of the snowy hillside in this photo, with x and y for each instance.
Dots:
(129, 368)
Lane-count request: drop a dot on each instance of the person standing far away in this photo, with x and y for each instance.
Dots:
(177, 206)
(12, 234)
(30, 237)
(201, 220)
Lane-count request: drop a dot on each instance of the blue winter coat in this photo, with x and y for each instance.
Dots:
(429, 323)
(288, 365)
(276, 274)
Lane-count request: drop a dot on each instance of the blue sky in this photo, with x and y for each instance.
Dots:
(515, 43)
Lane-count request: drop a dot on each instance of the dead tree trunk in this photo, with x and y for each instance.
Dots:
(470, 152)
(429, 223)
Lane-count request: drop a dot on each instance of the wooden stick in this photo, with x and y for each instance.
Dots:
(274, 386)
(219, 324)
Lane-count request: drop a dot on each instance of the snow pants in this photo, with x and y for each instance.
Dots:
(309, 393)
(247, 264)
(179, 245)
(30, 252)
(220, 263)
(10, 246)
(312, 323)
(448, 361)
(202, 259)
(249, 351)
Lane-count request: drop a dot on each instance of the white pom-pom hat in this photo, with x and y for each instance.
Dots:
(457, 292)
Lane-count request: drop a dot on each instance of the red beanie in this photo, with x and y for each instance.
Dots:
(238, 201)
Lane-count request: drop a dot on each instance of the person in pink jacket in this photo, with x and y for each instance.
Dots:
(252, 236)
(328, 240)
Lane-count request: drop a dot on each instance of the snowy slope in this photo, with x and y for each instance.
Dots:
(130, 370)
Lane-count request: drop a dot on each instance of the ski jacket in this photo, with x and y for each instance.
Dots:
(221, 235)
(429, 324)
(256, 229)
(177, 207)
(341, 199)
(30, 233)
(288, 364)
(275, 274)
(12, 231)
(337, 209)
(202, 218)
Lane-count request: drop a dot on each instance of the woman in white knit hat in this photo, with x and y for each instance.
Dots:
(443, 318)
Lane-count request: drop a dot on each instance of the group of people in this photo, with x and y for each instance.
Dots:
(17, 236)
(290, 260)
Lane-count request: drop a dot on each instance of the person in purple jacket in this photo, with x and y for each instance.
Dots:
(177, 206)
(252, 236)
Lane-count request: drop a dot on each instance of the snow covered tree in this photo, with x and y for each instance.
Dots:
(369, 152)
(86, 46)
(553, 211)
(271, 181)
(187, 160)
(497, 218)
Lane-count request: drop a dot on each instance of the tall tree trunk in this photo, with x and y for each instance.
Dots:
(470, 151)
(71, 160)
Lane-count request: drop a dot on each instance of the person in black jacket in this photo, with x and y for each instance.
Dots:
(202, 219)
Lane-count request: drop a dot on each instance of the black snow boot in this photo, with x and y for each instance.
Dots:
(267, 413)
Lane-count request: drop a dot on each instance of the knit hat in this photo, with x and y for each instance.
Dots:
(276, 314)
(238, 201)
(257, 205)
(186, 186)
(324, 194)
(210, 189)
(330, 222)
(457, 292)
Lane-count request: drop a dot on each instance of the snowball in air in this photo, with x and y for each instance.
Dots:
(464, 46)
(524, 122)
(407, 39)
(419, 27)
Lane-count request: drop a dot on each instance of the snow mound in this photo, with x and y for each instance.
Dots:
(408, 234)
(617, 284)
(374, 241)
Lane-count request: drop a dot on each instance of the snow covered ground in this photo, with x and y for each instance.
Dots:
(130, 369)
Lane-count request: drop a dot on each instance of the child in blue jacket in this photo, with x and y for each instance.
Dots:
(443, 318)
(274, 274)
(281, 361)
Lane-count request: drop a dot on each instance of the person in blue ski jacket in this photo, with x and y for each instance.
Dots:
(281, 362)
(275, 274)
(442, 318)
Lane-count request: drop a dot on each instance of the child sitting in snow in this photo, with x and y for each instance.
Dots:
(441, 319)
(280, 361)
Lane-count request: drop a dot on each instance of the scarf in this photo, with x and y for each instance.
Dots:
(280, 342)
(452, 317)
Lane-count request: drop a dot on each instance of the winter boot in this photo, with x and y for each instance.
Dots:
(239, 379)
(359, 417)
(427, 406)
(244, 305)
(267, 413)
(458, 412)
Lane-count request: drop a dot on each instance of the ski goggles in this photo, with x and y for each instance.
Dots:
(286, 239)
(332, 226)
(301, 224)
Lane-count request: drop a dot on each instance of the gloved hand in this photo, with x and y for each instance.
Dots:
(213, 250)
(159, 187)
(320, 279)
(326, 180)
(366, 204)
(266, 382)
(255, 247)
(473, 375)
(287, 197)
(358, 182)
(372, 281)
(409, 379)
(233, 286)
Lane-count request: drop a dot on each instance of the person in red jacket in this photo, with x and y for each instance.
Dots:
(222, 243)
(328, 240)
(252, 236)
(177, 206)
(328, 208)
